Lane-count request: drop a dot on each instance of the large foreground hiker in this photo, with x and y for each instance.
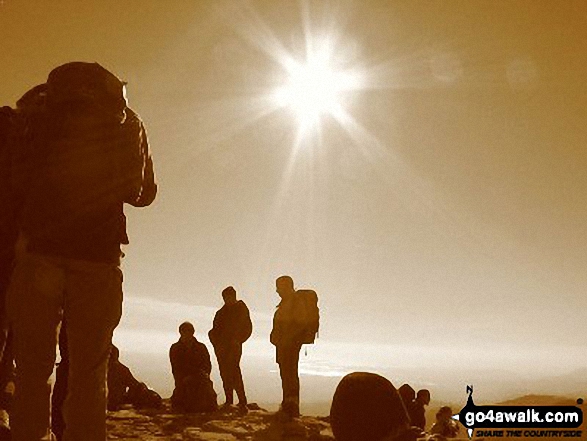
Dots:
(80, 161)
(295, 323)
(231, 328)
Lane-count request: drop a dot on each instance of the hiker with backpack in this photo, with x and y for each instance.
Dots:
(232, 326)
(295, 323)
(79, 160)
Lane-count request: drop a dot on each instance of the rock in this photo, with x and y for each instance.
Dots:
(195, 434)
(230, 426)
(258, 425)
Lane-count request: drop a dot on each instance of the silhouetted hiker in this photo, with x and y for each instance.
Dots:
(445, 426)
(231, 328)
(295, 323)
(11, 125)
(417, 411)
(367, 407)
(79, 161)
(191, 367)
(407, 394)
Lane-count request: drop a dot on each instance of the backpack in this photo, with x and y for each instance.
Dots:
(307, 316)
(88, 85)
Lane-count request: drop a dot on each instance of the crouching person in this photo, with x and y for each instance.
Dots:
(191, 367)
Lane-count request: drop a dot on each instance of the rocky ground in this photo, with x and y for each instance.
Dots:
(258, 425)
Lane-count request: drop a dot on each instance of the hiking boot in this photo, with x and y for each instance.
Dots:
(226, 407)
(243, 408)
(289, 409)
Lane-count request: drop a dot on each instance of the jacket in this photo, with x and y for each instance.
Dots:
(72, 174)
(232, 324)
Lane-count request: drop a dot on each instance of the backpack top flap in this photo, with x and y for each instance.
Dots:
(89, 83)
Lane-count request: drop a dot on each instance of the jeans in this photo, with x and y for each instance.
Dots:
(88, 295)
(229, 358)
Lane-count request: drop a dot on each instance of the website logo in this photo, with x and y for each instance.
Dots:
(520, 421)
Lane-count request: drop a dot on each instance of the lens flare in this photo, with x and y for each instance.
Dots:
(315, 89)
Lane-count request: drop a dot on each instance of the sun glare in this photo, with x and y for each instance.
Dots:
(315, 89)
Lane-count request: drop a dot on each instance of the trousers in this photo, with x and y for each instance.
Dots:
(288, 357)
(88, 295)
(229, 358)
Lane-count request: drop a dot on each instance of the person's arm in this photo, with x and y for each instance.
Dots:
(129, 379)
(213, 333)
(173, 361)
(275, 335)
(207, 363)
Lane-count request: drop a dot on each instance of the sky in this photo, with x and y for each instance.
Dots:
(438, 207)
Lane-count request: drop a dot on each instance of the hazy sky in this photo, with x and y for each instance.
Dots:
(443, 222)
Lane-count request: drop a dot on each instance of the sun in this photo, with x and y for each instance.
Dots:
(314, 88)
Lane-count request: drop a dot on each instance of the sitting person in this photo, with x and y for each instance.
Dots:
(191, 367)
(445, 426)
(407, 394)
(417, 410)
(124, 388)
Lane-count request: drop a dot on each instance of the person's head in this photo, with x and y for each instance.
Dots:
(444, 413)
(407, 394)
(229, 295)
(284, 286)
(186, 331)
(423, 396)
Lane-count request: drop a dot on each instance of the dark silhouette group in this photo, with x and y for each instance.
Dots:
(72, 154)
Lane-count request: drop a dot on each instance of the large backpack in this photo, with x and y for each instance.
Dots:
(307, 314)
(89, 84)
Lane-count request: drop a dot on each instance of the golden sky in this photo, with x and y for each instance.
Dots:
(446, 206)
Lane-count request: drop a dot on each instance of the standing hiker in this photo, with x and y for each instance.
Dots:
(231, 328)
(295, 323)
(80, 160)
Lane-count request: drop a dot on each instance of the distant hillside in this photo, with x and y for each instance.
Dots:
(540, 400)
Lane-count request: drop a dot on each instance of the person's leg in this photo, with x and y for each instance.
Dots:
(93, 307)
(57, 400)
(7, 373)
(222, 356)
(34, 308)
(288, 368)
(238, 376)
